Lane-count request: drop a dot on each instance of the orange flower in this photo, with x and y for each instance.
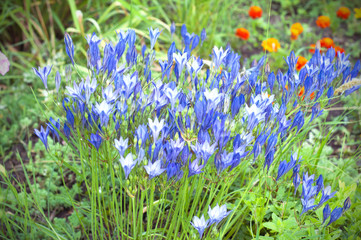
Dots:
(271, 45)
(296, 29)
(255, 12)
(327, 42)
(301, 62)
(301, 92)
(343, 12)
(286, 87)
(323, 21)
(339, 49)
(312, 48)
(242, 33)
(312, 96)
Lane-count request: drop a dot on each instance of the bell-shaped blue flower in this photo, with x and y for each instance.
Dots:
(153, 34)
(43, 74)
(154, 169)
(336, 214)
(200, 224)
(127, 163)
(217, 214)
(326, 213)
(69, 47)
(95, 140)
(43, 135)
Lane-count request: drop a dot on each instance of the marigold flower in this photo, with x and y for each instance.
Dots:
(301, 61)
(323, 21)
(312, 95)
(255, 12)
(242, 33)
(327, 42)
(357, 12)
(271, 45)
(339, 49)
(312, 48)
(301, 92)
(296, 29)
(343, 12)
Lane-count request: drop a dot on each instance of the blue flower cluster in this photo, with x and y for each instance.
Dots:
(193, 111)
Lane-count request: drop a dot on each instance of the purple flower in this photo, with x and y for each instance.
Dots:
(154, 169)
(217, 214)
(69, 47)
(95, 140)
(127, 164)
(43, 135)
(200, 224)
(43, 74)
(4, 64)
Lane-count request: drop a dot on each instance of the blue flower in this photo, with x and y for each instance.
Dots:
(307, 204)
(285, 166)
(181, 60)
(154, 169)
(121, 145)
(298, 121)
(174, 169)
(218, 56)
(326, 195)
(172, 29)
(43, 74)
(326, 213)
(203, 36)
(336, 214)
(93, 51)
(67, 131)
(204, 150)
(347, 204)
(70, 118)
(156, 126)
(195, 167)
(296, 182)
(54, 127)
(142, 134)
(271, 80)
(217, 214)
(153, 34)
(127, 164)
(95, 140)
(200, 224)
(69, 47)
(43, 135)
(57, 81)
